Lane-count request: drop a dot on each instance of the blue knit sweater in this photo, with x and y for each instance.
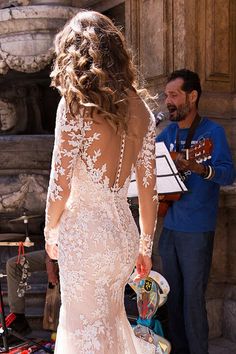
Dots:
(196, 211)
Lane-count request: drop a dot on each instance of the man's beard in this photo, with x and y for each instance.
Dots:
(178, 114)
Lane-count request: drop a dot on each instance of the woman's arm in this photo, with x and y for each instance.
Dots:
(148, 200)
(66, 148)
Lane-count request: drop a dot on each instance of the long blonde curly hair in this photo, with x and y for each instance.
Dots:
(93, 67)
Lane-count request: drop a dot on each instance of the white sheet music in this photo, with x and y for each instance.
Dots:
(168, 179)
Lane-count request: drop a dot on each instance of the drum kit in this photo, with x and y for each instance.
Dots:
(17, 239)
(20, 240)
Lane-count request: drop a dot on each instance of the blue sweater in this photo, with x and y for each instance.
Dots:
(196, 211)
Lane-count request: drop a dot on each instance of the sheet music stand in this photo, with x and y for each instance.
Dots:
(168, 177)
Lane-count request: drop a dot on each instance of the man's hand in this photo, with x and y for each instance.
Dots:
(189, 165)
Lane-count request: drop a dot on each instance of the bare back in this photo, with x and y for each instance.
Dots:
(89, 218)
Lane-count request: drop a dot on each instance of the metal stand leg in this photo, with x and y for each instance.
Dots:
(4, 330)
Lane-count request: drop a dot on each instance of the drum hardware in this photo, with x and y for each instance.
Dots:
(5, 331)
(25, 218)
(27, 242)
(23, 262)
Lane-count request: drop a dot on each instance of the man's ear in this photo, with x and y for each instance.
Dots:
(193, 96)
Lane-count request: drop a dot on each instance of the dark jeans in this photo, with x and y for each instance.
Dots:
(186, 260)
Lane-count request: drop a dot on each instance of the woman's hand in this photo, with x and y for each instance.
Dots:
(143, 267)
(52, 251)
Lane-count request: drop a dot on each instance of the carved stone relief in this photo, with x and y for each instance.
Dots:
(27, 34)
(10, 3)
(12, 107)
(3, 66)
(23, 192)
(8, 118)
(27, 64)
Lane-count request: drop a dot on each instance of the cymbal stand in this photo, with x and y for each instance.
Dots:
(26, 222)
(4, 329)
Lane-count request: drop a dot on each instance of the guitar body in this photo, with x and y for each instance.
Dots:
(165, 201)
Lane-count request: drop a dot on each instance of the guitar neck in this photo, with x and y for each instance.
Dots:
(199, 152)
(184, 153)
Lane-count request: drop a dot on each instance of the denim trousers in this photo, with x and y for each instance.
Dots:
(186, 261)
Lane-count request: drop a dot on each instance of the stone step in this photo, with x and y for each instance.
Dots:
(35, 321)
(34, 305)
(34, 312)
(34, 316)
(34, 302)
(32, 299)
(221, 346)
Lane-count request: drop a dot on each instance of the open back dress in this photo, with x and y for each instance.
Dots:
(96, 234)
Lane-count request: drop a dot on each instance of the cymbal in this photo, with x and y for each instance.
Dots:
(25, 217)
(12, 236)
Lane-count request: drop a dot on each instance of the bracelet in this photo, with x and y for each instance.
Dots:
(211, 172)
(145, 245)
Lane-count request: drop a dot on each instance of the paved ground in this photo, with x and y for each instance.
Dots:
(216, 346)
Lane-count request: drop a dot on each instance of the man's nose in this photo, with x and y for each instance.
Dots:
(167, 100)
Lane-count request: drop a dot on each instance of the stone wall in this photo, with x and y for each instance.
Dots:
(199, 35)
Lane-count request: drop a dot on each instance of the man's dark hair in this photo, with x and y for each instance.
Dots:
(191, 81)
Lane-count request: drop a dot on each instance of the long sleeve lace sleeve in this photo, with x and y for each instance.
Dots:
(66, 148)
(146, 182)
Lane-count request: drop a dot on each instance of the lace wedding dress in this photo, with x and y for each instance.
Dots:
(97, 237)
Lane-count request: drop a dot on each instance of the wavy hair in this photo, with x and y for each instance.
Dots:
(93, 67)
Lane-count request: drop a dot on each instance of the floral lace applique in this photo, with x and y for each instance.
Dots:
(146, 155)
(98, 239)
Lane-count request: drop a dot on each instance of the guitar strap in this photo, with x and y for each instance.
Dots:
(190, 135)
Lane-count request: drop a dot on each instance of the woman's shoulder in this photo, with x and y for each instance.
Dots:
(137, 106)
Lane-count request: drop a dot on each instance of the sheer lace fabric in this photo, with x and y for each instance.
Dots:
(88, 216)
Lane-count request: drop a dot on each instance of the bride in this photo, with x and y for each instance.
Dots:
(104, 132)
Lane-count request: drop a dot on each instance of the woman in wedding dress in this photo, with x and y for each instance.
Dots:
(103, 133)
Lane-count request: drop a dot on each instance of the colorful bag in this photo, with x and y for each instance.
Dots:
(151, 293)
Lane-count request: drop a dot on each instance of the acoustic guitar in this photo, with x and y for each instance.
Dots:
(199, 152)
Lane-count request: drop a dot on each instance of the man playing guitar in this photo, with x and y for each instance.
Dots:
(186, 241)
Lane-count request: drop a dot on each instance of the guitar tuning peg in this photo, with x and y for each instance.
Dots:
(205, 158)
(209, 157)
